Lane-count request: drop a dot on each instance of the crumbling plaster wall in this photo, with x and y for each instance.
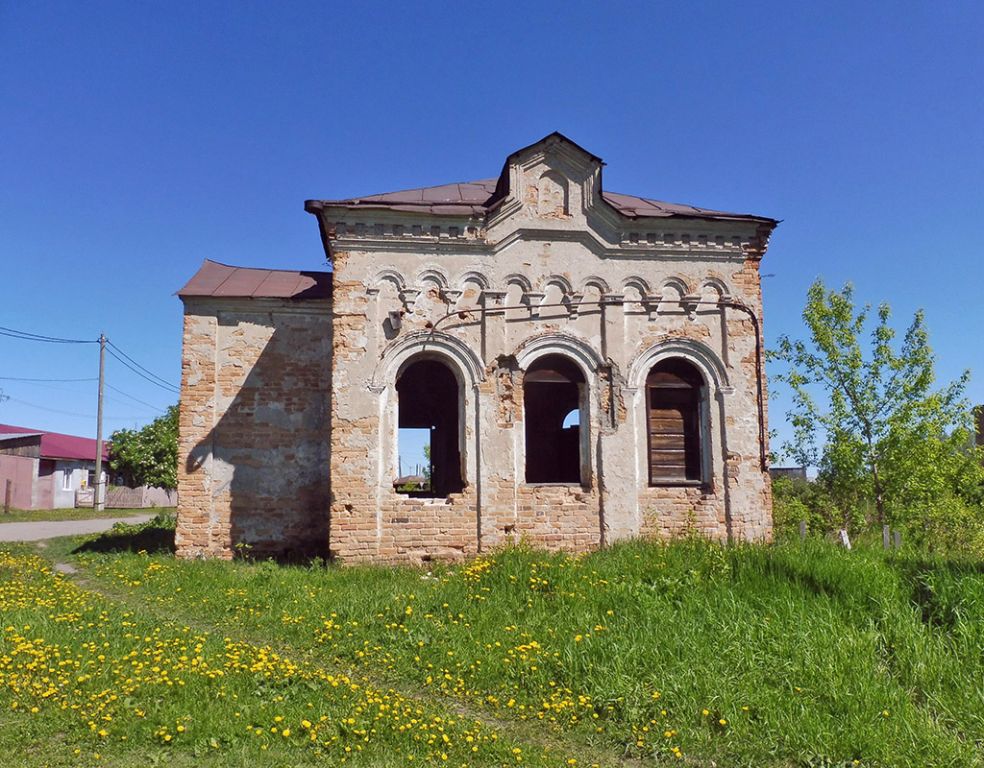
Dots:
(254, 427)
(631, 293)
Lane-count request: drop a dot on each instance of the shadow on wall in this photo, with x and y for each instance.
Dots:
(269, 451)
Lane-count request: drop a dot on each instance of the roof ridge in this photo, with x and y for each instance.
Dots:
(265, 269)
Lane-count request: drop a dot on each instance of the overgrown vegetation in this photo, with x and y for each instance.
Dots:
(893, 445)
(687, 653)
(148, 456)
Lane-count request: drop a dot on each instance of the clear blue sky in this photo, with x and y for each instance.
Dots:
(137, 139)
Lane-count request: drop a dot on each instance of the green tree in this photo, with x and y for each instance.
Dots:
(891, 439)
(148, 456)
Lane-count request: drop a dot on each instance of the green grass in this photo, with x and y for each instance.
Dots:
(82, 513)
(790, 655)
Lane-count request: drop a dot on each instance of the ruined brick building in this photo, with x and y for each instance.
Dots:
(588, 365)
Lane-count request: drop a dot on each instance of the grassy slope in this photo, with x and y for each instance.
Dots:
(787, 655)
(82, 513)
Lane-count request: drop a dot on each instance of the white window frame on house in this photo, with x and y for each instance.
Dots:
(67, 479)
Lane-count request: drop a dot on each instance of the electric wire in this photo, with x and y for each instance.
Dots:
(135, 399)
(39, 381)
(73, 413)
(120, 355)
(28, 336)
(53, 384)
(165, 386)
(145, 370)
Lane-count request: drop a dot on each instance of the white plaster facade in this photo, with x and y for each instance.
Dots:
(550, 267)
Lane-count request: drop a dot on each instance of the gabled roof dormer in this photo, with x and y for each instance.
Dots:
(551, 188)
(551, 179)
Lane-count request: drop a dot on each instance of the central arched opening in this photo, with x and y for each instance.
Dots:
(428, 430)
(553, 397)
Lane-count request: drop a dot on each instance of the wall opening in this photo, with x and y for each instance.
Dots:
(553, 393)
(674, 392)
(428, 408)
(414, 463)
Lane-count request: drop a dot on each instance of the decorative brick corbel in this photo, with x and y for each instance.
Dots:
(690, 302)
(574, 305)
(491, 298)
(535, 297)
(409, 297)
(651, 306)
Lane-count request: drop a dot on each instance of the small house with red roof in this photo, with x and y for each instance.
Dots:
(46, 470)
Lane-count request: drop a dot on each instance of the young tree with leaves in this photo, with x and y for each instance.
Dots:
(148, 456)
(891, 437)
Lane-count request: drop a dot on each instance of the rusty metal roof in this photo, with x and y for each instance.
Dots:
(477, 198)
(474, 198)
(222, 280)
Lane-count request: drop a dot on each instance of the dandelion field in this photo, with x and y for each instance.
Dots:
(642, 654)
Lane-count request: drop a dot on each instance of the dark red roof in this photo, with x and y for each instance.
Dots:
(215, 279)
(471, 198)
(55, 445)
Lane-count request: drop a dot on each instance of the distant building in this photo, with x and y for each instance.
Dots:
(46, 469)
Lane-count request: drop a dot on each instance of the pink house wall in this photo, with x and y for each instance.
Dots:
(20, 470)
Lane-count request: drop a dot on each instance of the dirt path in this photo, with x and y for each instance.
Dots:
(530, 732)
(52, 529)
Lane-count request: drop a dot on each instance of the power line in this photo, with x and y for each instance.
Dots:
(115, 351)
(28, 336)
(136, 400)
(73, 413)
(54, 384)
(165, 386)
(149, 373)
(145, 370)
(38, 381)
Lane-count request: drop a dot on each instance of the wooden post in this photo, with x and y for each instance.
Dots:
(6, 497)
(898, 539)
(97, 499)
(845, 540)
(886, 533)
(803, 530)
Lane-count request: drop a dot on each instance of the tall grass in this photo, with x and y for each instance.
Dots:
(799, 654)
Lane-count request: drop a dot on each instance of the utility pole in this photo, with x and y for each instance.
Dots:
(97, 499)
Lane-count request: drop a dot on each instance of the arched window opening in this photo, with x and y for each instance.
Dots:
(674, 392)
(553, 390)
(428, 440)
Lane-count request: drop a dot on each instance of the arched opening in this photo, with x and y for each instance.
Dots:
(674, 397)
(429, 428)
(553, 396)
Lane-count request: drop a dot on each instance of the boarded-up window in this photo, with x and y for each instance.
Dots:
(673, 398)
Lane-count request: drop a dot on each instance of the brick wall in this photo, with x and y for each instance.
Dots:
(254, 428)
